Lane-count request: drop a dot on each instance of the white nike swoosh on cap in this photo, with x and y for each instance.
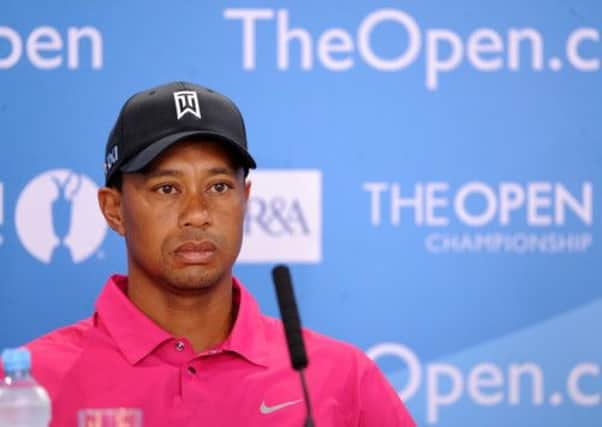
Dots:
(265, 409)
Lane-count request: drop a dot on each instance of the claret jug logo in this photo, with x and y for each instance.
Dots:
(57, 213)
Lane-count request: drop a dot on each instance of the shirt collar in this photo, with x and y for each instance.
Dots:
(247, 337)
(137, 336)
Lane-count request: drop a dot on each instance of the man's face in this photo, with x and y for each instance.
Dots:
(182, 218)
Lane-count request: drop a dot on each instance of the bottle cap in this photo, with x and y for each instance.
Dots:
(16, 359)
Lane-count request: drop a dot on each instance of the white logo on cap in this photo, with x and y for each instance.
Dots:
(57, 214)
(187, 101)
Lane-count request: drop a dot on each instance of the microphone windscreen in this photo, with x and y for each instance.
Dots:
(290, 316)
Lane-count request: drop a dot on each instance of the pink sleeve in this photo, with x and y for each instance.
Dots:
(379, 403)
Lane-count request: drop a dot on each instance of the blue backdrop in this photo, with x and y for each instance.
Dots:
(429, 169)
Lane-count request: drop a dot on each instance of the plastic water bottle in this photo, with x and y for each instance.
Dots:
(23, 402)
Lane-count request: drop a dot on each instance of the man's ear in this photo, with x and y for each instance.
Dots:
(247, 192)
(109, 200)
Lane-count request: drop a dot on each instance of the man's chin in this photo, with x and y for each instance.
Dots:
(194, 279)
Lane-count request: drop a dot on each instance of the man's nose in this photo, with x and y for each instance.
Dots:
(194, 211)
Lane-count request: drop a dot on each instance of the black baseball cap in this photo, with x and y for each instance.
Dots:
(153, 120)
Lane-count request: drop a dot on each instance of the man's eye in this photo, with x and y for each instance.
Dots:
(220, 187)
(166, 189)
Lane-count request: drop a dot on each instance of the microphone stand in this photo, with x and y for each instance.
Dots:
(292, 329)
(309, 422)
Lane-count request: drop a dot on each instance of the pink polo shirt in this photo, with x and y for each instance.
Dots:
(120, 358)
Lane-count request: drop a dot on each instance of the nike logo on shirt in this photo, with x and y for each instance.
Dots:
(265, 409)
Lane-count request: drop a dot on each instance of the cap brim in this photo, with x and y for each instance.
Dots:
(150, 153)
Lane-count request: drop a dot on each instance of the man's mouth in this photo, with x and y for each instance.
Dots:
(195, 252)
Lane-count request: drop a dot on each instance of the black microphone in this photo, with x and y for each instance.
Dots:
(292, 328)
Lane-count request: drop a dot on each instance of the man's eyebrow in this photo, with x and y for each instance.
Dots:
(154, 173)
(222, 171)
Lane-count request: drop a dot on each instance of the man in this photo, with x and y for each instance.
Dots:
(179, 337)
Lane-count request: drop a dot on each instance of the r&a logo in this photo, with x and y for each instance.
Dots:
(284, 217)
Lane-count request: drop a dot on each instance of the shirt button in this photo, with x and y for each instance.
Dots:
(191, 370)
(180, 346)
